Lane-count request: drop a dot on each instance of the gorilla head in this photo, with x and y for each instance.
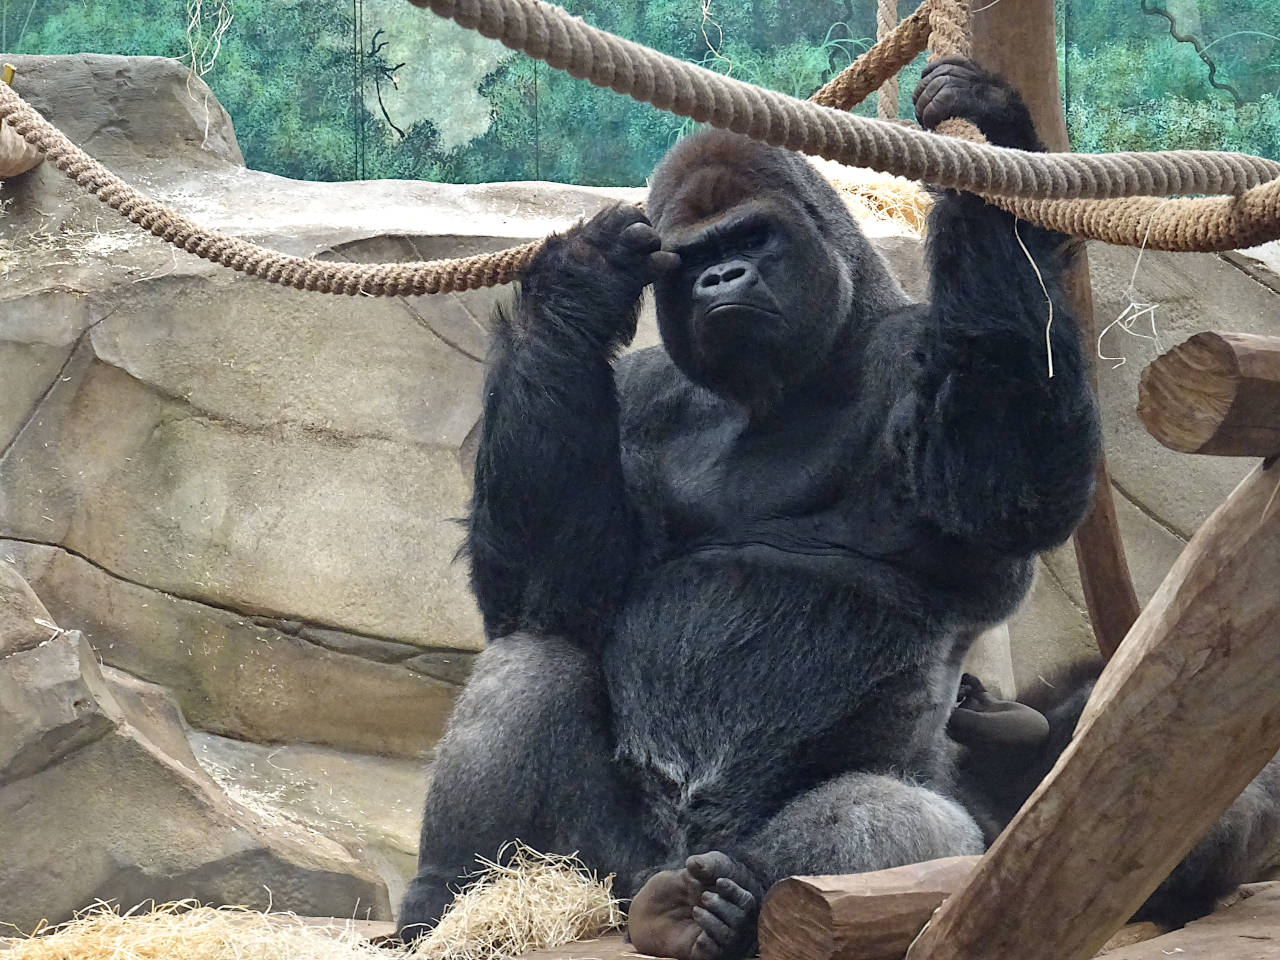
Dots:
(773, 270)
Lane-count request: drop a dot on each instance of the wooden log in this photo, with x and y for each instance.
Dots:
(1184, 716)
(1247, 930)
(1216, 393)
(863, 916)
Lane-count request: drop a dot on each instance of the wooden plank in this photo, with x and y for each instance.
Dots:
(1247, 930)
(1216, 393)
(1184, 716)
(863, 916)
(612, 947)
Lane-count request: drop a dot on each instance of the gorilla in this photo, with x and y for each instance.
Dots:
(728, 582)
(1003, 758)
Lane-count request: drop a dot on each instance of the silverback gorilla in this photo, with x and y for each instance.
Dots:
(728, 581)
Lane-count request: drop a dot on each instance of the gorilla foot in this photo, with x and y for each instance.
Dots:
(706, 911)
(424, 903)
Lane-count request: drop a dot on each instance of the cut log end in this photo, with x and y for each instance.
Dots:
(863, 916)
(1217, 393)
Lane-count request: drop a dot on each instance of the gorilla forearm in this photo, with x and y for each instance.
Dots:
(551, 535)
(1008, 453)
(1007, 450)
(548, 488)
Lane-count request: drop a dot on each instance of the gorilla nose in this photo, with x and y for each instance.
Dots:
(725, 282)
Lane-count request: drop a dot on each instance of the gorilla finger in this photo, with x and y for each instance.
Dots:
(727, 912)
(950, 60)
(705, 948)
(714, 927)
(941, 82)
(955, 67)
(707, 868)
(639, 237)
(946, 104)
(735, 894)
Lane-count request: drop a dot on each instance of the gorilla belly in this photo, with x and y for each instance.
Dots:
(737, 685)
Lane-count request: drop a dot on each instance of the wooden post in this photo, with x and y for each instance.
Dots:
(863, 916)
(1217, 393)
(1016, 38)
(1184, 716)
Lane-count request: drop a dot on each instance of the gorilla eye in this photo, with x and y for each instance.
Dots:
(753, 233)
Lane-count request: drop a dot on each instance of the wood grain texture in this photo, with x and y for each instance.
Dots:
(1184, 716)
(862, 916)
(1247, 930)
(1217, 393)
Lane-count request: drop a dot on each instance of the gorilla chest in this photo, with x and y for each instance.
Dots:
(811, 487)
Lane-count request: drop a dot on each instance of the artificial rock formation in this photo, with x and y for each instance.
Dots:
(102, 798)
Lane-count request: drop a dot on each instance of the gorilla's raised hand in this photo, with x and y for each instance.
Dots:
(957, 87)
(591, 277)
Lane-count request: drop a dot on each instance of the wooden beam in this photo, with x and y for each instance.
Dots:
(1216, 393)
(863, 916)
(1184, 716)
(1016, 38)
(1246, 930)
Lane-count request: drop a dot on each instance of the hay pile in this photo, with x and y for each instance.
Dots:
(188, 931)
(878, 198)
(530, 902)
(534, 902)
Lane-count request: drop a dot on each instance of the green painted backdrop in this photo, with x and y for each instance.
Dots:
(339, 89)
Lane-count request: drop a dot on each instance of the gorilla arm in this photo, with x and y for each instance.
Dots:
(999, 452)
(551, 536)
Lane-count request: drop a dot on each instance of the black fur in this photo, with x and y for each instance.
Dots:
(746, 565)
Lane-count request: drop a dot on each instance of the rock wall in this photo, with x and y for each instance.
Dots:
(243, 498)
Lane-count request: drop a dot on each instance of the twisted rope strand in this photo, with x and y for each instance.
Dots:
(1042, 188)
(886, 24)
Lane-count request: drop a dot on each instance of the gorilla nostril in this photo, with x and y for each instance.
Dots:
(733, 273)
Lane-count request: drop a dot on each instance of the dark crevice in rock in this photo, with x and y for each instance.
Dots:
(426, 324)
(54, 746)
(1149, 513)
(44, 396)
(443, 663)
(359, 645)
(1058, 582)
(1252, 269)
(257, 618)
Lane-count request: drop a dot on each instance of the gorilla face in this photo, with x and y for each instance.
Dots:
(761, 294)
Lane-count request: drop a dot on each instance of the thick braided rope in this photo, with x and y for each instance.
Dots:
(870, 71)
(886, 24)
(565, 42)
(388, 279)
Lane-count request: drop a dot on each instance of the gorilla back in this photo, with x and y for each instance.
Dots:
(728, 581)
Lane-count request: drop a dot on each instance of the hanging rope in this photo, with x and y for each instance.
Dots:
(887, 96)
(1042, 188)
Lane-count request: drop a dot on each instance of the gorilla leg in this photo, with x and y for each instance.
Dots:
(861, 822)
(856, 823)
(527, 755)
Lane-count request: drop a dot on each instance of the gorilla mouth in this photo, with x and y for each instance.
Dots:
(732, 312)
